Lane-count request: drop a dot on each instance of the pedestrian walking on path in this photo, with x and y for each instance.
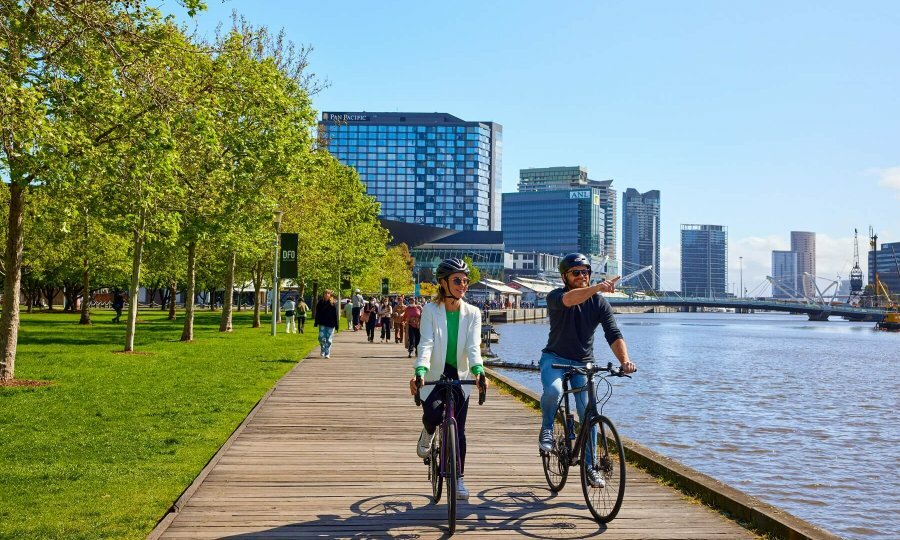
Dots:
(411, 316)
(358, 302)
(370, 316)
(348, 313)
(385, 313)
(327, 321)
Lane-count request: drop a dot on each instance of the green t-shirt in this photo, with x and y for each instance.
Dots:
(452, 336)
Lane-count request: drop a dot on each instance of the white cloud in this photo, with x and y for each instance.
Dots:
(888, 178)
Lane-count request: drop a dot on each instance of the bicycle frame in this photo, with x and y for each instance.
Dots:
(590, 412)
(447, 423)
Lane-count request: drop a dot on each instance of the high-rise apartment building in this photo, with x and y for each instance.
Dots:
(784, 272)
(427, 168)
(640, 237)
(804, 245)
(554, 222)
(704, 261)
(567, 178)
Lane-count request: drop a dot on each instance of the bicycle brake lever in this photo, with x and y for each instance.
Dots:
(416, 399)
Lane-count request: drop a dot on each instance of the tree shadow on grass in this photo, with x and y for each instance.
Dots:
(516, 509)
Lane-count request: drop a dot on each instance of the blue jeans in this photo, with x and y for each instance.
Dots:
(551, 379)
(326, 336)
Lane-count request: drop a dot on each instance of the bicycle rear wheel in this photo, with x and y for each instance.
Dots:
(451, 455)
(604, 501)
(556, 461)
(434, 471)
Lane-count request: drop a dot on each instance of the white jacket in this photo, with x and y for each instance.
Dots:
(433, 345)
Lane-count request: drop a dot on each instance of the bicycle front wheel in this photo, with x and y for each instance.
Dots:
(434, 471)
(603, 470)
(450, 455)
(556, 461)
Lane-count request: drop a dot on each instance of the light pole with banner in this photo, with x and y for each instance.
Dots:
(276, 221)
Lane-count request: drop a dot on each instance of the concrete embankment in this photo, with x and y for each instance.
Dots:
(747, 510)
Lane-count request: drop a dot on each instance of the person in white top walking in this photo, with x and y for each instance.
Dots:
(288, 308)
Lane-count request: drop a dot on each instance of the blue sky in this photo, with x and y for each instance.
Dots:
(761, 116)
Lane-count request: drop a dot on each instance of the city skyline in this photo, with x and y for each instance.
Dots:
(765, 117)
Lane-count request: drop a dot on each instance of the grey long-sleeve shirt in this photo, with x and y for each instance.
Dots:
(572, 328)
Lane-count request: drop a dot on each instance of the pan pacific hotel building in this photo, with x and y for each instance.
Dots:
(428, 169)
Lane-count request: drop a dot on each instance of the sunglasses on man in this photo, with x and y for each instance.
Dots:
(577, 273)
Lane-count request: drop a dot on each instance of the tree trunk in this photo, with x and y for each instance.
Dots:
(257, 285)
(225, 319)
(12, 280)
(164, 298)
(187, 334)
(135, 283)
(173, 292)
(315, 295)
(49, 293)
(241, 297)
(212, 299)
(86, 293)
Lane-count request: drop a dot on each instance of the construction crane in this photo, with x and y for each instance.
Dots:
(873, 243)
(856, 273)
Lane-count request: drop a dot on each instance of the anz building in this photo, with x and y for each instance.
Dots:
(555, 222)
(431, 169)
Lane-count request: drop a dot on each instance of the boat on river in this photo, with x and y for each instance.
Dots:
(890, 322)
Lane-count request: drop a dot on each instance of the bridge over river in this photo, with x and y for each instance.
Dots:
(816, 311)
(329, 452)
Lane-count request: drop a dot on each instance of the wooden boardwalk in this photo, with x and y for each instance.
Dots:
(331, 454)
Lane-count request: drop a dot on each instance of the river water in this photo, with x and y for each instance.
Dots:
(803, 415)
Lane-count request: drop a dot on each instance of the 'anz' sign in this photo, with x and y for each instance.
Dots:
(345, 117)
(580, 194)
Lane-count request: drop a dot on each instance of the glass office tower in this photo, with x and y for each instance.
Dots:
(555, 222)
(888, 266)
(784, 272)
(427, 168)
(704, 261)
(569, 178)
(640, 237)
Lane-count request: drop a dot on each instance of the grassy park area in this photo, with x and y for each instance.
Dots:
(104, 450)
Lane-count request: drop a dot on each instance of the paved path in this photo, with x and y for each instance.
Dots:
(332, 455)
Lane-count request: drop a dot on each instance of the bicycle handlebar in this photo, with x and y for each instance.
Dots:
(591, 368)
(482, 391)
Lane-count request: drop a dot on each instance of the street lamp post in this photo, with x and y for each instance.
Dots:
(276, 221)
(741, 259)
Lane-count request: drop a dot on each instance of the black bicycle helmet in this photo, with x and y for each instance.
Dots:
(572, 260)
(451, 266)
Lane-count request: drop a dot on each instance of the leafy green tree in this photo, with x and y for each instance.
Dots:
(474, 271)
(51, 54)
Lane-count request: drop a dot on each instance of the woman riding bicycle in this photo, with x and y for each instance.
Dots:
(575, 312)
(450, 345)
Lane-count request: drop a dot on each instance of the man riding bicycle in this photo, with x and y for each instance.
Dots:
(575, 311)
(450, 346)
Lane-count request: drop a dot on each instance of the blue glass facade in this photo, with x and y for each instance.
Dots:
(431, 169)
(704, 261)
(554, 222)
(888, 262)
(640, 237)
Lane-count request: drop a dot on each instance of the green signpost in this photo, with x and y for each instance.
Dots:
(385, 286)
(288, 263)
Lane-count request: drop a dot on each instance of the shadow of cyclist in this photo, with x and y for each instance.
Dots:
(401, 516)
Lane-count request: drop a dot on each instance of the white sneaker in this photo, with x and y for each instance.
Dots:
(424, 445)
(328, 356)
(461, 492)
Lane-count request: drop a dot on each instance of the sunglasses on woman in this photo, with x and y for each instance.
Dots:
(460, 282)
(577, 273)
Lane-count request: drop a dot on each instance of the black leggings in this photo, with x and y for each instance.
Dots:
(370, 326)
(433, 412)
(386, 328)
(413, 339)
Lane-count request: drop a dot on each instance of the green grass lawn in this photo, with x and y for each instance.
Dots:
(108, 447)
